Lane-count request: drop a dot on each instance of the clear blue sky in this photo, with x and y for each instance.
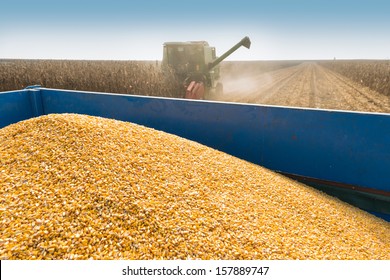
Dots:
(136, 30)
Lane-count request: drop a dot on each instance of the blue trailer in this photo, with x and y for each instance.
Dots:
(343, 153)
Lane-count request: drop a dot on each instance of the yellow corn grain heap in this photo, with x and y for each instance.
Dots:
(81, 187)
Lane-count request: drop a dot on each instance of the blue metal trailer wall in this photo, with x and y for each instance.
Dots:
(336, 149)
(16, 106)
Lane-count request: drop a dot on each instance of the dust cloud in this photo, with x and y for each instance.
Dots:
(239, 83)
(253, 81)
(249, 81)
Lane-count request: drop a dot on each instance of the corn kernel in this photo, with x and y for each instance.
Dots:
(82, 187)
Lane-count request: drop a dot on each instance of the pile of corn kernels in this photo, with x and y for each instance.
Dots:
(82, 187)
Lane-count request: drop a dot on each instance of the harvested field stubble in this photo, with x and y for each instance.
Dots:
(80, 187)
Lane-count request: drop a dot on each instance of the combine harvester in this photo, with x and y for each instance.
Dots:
(196, 65)
(343, 153)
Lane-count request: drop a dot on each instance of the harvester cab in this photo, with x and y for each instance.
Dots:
(195, 64)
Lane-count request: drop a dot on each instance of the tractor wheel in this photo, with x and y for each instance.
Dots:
(219, 89)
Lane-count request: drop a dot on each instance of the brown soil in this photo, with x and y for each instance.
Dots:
(305, 85)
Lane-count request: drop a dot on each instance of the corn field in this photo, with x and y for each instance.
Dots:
(148, 77)
(374, 74)
(128, 77)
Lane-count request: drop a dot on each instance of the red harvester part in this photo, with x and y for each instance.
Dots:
(195, 90)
